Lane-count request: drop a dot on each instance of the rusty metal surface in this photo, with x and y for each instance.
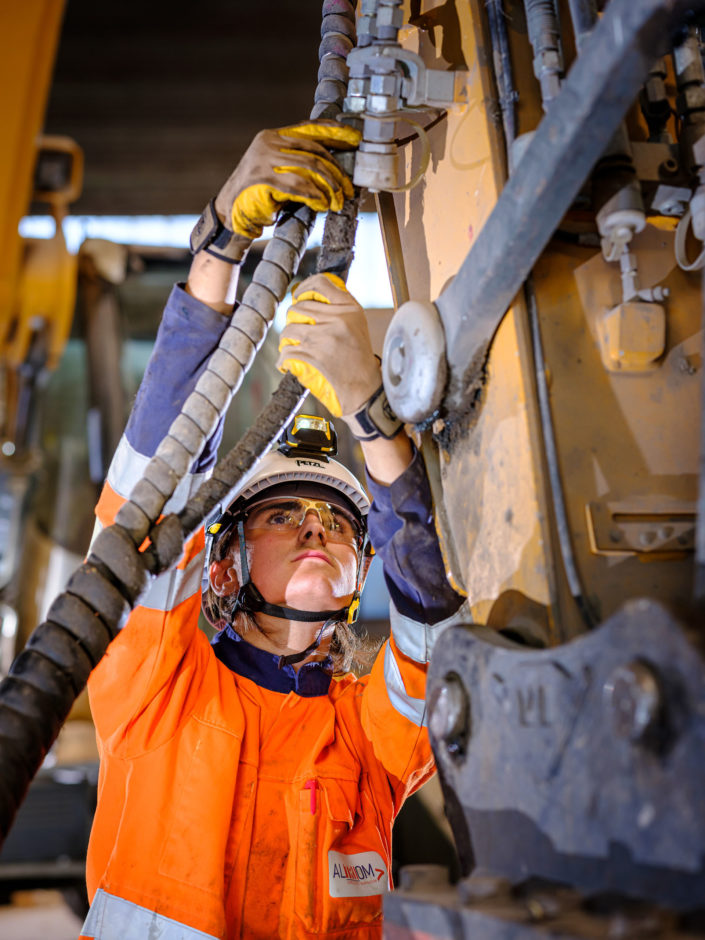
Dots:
(499, 517)
(438, 219)
(581, 762)
(492, 486)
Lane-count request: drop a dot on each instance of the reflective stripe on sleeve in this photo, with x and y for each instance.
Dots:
(113, 918)
(97, 529)
(413, 709)
(128, 466)
(171, 588)
(416, 640)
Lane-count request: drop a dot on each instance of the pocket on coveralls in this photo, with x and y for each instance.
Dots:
(336, 885)
(197, 842)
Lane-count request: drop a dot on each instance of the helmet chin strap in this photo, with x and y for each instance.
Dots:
(250, 601)
(294, 658)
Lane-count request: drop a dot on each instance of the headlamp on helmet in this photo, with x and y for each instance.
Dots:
(309, 435)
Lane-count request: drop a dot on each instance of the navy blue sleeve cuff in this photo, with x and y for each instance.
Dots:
(403, 532)
(189, 332)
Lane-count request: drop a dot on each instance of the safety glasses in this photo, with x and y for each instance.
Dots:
(289, 512)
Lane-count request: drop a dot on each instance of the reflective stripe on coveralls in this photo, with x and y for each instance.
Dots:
(127, 468)
(112, 918)
(172, 587)
(413, 709)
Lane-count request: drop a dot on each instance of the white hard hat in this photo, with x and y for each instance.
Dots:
(275, 468)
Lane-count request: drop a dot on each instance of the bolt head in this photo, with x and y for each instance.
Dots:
(449, 712)
(357, 86)
(669, 167)
(384, 85)
(380, 104)
(633, 696)
(353, 105)
(390, 16)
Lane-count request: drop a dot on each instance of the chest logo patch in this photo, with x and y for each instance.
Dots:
(356, 876)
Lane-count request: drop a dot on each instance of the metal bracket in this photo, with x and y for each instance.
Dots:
(646, 525)
(565, 720)
(415, 84)
(423, 86)
(388, 83)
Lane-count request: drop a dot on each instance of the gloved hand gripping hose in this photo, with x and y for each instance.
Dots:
(46, 677)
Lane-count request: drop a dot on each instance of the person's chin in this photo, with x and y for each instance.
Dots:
(313, 604)
(318, 588)
(308, 599)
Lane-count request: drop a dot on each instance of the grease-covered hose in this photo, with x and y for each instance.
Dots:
(46, 677)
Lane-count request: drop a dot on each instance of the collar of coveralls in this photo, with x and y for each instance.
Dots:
(262, 667)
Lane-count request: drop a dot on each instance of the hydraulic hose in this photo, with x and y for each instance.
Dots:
(503, 70)
(583, 14)
(545, 39)
(550, 447)
(47, 676)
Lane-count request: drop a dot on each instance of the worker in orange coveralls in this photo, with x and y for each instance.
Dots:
(248, 785)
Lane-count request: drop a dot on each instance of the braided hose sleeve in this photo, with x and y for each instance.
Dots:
(222, 376)
(248, 328)
(337, 39)
(255, 442)
(337, 248)
(47, 676)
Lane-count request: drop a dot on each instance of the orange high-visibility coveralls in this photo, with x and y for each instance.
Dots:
(227, 809)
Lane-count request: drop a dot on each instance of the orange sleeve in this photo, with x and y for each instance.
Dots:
(394, 720)
(394, 713)
(154, 663)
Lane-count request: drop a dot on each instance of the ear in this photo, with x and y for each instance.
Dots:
(223, 577)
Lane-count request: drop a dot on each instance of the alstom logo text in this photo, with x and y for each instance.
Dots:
(356, 875)
(357, 872)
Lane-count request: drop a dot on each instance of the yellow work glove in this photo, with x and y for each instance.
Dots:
(326, 345)
(291, 163)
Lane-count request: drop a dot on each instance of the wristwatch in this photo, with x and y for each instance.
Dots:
(209, 234)
(375, 419)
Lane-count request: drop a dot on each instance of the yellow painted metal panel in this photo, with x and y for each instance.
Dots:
(28, 38)
(628, 442)
(493, 518)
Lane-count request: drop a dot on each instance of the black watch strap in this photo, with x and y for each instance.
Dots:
(209, 234)
(375, 419)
